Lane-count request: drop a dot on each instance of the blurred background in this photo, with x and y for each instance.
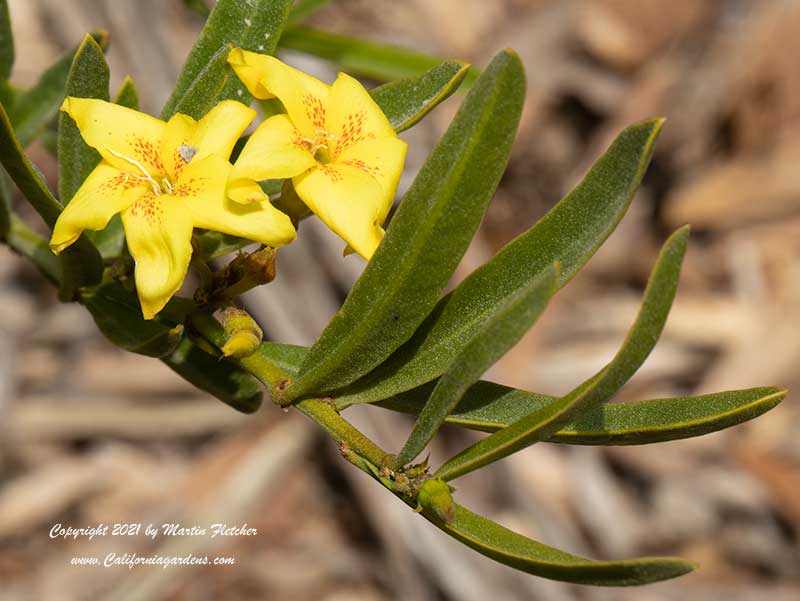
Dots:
(90, 434)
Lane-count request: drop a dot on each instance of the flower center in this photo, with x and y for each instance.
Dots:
(319, 145)
(163, 187)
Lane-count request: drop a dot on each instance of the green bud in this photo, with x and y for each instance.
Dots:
(435, 496)
(291, 204)
(244, 334)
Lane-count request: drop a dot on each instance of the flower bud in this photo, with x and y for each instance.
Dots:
(244, 334)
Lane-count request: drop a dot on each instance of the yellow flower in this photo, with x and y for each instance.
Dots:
(336, 144)
(165, 178)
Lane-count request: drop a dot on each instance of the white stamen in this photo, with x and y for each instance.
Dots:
(166, 185)
(321, 140)
(324, 134)
(147, 176)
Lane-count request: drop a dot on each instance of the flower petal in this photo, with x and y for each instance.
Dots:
(304, 97)
(274, 151)
(159, 232)
(246, 191)
(348, 200)
(176, 146)
(220, 128)
(205, 200)
(128, 139)
(353, 116)
(216, 133)
(382, 159)
(103, 194)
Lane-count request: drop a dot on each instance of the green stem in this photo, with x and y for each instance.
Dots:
(203, 271)
(31, 245)
(235, 290)
(321, 411)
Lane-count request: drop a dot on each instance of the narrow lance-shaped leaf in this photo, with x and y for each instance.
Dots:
(118, 315)
(88, 78)
(205, 89)
(32, 185)
(489, 407)
(27, 177)
(5, 205)
(127, 95)
(427, 236)
(264, 27)
(408, 100)
(219, 377)
(34, 108)
(253, 25)
(569, 233)
(211, 245)
(640, 340)
(8, 93)
(6, 42)
(382, 62)
(501, 331)
(521, 553)
(28, 243)
(81, 265)
(287, 357)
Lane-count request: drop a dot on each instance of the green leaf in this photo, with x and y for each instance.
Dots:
(118, 315)
(7, 93)
(210, 245)
(81, 255)
(640, 340)
(408, 100)
(427, 236)
(267, 20)
(489, 407)
(218, 376)
(287, 357)
(253, 25)
(5, 205)
(521, 553)
(303, 9)
(381, 62)
(88, 78)
(269, 108)
(127, 95)
(6, 42)
(33, 109)
(569, 233)
(31, 245)
(204, 91)
(27, 177)
(490, 341)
